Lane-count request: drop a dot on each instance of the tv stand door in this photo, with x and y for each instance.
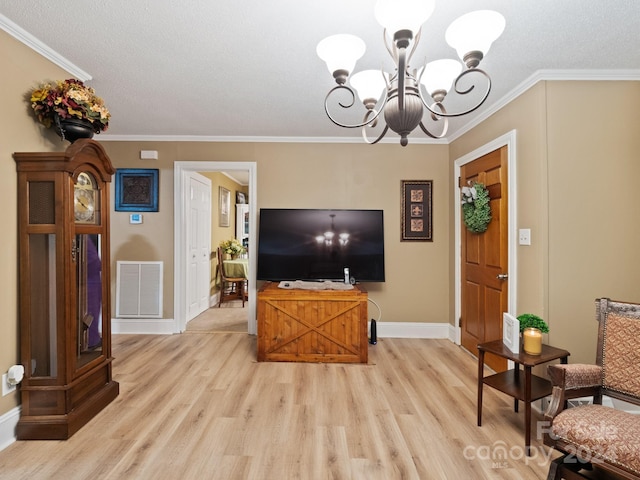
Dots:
(312, 326)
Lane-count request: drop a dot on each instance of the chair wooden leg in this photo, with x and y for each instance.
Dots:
(559, 470)
(221, 299)
(236, 292)
(554, 469)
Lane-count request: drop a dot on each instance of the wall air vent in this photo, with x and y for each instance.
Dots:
(139, 289)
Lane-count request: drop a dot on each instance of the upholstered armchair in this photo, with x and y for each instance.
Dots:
(593, 436)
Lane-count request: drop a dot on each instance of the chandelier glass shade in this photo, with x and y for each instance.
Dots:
(400, 96)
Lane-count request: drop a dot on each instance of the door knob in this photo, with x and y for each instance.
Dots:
(502, 276)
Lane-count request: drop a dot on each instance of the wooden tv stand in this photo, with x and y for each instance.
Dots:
(312, 325)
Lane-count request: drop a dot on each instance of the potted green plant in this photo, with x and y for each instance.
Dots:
(532, 327)
(70, 107)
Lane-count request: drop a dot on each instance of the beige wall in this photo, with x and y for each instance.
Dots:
(22, 70)
(594, 212)
(219, 233)
(313, 176)
(576, 182)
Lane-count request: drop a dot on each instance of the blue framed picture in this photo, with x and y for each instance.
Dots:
(137, 190)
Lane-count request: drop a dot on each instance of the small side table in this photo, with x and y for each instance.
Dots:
(510, 382)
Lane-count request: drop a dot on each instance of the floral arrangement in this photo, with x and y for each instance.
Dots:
(232, 247)
(529, 320)
(475, 207)
(70, 98)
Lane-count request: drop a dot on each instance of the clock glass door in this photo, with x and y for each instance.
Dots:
(89, 300)
(43, 306)
(41, 281)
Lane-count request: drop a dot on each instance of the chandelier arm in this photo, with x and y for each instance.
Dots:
(467, 72)
(442, 116)
(416, 40)
(384, 132)
(432, 135)
(367, 121)
(387, 82)
(372, 124)
(393, 52)
(463, 92)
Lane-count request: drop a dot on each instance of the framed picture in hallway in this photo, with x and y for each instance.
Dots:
(416, 210)
(224, 207)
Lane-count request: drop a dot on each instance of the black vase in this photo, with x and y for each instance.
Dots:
(74, 128)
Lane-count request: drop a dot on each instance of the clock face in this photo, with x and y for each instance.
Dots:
(84, 199)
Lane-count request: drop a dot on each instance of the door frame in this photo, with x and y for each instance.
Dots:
(508, 139)
(179, 236)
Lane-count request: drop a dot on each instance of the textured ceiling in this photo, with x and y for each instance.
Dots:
(249, 69)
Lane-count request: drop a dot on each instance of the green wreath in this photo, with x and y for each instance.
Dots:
(475, 207)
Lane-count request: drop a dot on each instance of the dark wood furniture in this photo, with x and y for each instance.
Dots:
(591, 437)
(312, 325)
(231, 288)
(64, 288)
(511, 382)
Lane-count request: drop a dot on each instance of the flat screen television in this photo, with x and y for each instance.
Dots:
(317, 244)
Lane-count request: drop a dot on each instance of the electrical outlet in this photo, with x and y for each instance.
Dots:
(524, 236)
(6, 387)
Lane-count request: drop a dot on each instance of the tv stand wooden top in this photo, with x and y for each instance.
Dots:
(292, 286)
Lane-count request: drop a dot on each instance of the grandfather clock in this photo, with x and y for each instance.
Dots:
(64, 288)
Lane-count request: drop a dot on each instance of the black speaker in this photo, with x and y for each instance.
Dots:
(374, 334)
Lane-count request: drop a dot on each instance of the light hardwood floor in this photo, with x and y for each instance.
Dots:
(229, 317)
(198, 406)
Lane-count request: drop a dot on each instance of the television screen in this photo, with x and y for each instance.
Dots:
(312, 244)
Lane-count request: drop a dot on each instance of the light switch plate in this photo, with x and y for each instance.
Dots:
(524, 236)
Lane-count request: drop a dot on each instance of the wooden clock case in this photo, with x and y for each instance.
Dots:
(64, 289)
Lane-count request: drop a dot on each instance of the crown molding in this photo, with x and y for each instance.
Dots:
(32, 42)
(240, 139)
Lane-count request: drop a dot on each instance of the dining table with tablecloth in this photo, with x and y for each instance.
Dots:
(237, 267)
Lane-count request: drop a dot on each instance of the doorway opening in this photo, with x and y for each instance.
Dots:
(181, 171)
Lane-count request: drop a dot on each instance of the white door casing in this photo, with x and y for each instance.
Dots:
(508, 139)
(181, 189)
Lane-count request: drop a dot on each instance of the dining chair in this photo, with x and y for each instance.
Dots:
(231, 288)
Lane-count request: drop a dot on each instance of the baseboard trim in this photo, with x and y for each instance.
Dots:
(384, 329)
(412, 330)
(143, 326)
(8, 423)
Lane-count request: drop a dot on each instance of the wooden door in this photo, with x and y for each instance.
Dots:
(484, 258)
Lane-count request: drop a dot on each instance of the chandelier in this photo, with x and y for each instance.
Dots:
(403, 101)
(328, 238)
